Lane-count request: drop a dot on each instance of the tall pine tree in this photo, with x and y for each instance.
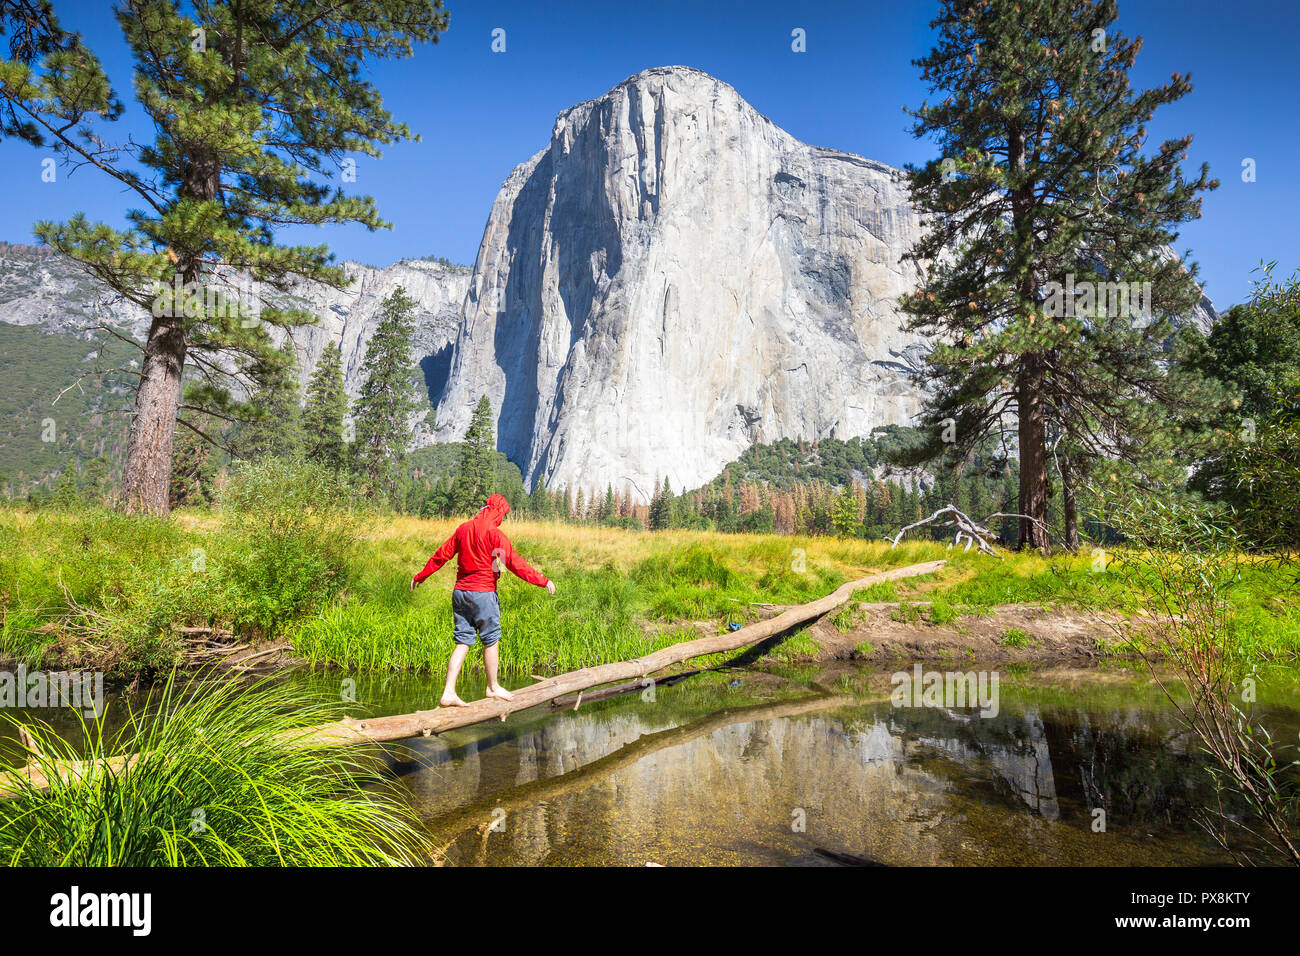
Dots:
(388, 397)
(254, 105)
(275, 428)
(474, 473)
(326, 406)
(1043, 186)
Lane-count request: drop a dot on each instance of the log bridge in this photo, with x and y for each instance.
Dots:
(423, 723)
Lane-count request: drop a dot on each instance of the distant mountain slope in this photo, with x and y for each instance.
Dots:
(52, 294)
(88, 420)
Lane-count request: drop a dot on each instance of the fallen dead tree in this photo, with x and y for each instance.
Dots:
(436, 721)
(968, 529)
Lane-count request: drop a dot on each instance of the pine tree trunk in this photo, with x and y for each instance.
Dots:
(146, 478)
(1033, 452)
(146, 475)
(1070, 506)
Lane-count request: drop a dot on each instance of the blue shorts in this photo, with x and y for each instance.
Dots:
(476, 613)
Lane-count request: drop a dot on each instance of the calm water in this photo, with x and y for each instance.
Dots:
(808, 767)
(819, 768)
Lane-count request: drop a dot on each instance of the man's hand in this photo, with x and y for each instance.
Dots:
(550, 587)
(413, 584)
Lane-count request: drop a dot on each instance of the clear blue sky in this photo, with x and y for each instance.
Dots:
(480, 113)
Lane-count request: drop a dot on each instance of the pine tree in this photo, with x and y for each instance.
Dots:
(250, 103)
(388, 397)
(844, 515)
(662, 507)
(275, 428)
(1042, 187)
(474, 474)
(540, 502)
(322, 417)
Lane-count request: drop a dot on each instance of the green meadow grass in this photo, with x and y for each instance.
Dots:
(96, 588)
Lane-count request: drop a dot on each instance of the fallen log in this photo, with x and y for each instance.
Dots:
(422, 723)
(438, 720)
(630, 687)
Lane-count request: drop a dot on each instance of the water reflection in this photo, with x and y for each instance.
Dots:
(816, 779)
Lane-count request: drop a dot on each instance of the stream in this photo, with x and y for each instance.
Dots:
(811, 766)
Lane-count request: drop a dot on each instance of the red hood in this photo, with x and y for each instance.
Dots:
(496, 509)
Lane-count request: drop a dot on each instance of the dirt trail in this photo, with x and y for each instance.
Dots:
(1012, 632)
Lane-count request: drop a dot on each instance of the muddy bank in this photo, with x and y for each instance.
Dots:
(1010, 632)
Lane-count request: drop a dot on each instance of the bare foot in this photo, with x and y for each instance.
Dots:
(451, 700)
(500, 693)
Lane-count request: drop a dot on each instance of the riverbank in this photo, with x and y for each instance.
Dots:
(134, 597)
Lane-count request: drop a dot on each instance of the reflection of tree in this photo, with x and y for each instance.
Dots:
(1068, 762)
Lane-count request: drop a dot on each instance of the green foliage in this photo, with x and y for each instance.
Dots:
(389, 396)
(1255, 351)
(326, 406)
(475, 471)
(1014, 637)
(219, 780)
(1254, 348)
(291, 537)
(275, 425)
(941, 612)
(1265, 469)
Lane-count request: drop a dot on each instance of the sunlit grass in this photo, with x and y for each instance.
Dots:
(216, 779)
(620, 593)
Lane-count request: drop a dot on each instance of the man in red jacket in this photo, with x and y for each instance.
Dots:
(479, 545)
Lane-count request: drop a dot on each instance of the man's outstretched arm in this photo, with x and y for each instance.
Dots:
(518, 566)
(439, 558)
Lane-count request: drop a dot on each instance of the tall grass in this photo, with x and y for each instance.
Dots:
(94, 588)
(620, 595)
(272, 562)
(217, 780)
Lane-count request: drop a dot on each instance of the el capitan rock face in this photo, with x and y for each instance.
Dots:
(674, 278)
(670, 280)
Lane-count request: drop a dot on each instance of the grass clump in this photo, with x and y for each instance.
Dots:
(216, 780)
(941, 612)
(1014, 637)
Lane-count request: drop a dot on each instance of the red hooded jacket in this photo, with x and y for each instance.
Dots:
(475, 543)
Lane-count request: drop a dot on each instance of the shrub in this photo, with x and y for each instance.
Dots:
(293, 528)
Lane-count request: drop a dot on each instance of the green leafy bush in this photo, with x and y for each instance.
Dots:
(293, 527)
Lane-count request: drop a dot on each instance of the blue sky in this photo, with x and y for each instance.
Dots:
(480, 113)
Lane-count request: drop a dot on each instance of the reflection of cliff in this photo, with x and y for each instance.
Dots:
(1020, 763)
(903, 787)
